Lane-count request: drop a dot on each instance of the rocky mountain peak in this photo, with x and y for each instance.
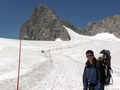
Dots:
(110, 25)
(43, 25)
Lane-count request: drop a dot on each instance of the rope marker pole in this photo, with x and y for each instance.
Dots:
(18, 78)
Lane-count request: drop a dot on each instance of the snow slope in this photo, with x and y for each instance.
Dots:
(59, 67)
(106, 36)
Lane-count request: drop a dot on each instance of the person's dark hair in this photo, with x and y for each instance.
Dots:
(90, 51)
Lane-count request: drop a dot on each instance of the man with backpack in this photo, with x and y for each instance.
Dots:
(91, 76)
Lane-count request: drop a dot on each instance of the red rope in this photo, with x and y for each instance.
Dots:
(18, 78)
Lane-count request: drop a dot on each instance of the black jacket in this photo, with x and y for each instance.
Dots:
(101, 68)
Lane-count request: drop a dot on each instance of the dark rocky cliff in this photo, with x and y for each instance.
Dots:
(43, 25)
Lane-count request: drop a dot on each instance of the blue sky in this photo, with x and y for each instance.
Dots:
(13, 13)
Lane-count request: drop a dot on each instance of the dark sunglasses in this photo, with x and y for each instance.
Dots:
(89, 55)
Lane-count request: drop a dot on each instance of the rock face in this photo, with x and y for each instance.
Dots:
(70, 25)
(110, 24)
(43, 25)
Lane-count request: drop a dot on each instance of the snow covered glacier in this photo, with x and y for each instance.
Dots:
(54, 65)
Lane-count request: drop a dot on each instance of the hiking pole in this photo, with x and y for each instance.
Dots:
(18, 78)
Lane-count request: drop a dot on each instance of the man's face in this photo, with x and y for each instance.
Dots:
(89, 56)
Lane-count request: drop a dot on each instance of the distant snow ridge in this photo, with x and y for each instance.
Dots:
(74, 35)
(106, 36)
(100, 36)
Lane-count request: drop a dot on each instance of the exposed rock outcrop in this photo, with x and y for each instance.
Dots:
(110, 25)
(43, 25)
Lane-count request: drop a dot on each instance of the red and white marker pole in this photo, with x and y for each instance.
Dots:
(19, 63)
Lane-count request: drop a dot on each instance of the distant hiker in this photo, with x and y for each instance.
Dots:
(42, 51)
(91, 76)
(101, 67)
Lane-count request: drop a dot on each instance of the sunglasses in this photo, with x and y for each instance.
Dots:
(89, 55)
